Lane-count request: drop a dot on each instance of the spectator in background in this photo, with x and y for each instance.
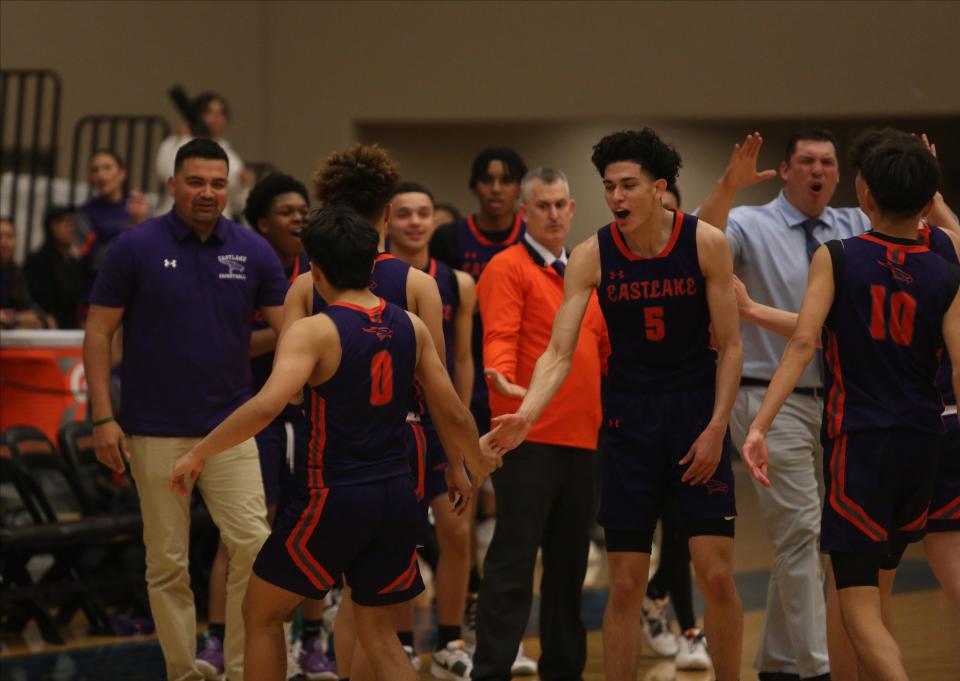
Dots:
(111, 211)
(53, 271)
(17, 310)
(213, 115)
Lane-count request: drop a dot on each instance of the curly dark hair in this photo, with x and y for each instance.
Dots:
(659, 159)
(266, 190)
(362, 177)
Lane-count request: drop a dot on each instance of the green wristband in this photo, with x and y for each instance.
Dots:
(104, 421)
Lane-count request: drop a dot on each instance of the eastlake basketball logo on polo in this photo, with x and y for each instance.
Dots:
(235, 266)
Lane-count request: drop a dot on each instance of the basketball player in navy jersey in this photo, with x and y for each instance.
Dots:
(410, 228)
(364, 178)
(663, 279)
(358, 514)
(887, 306)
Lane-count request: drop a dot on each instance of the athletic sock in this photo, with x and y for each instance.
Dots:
(216, 629)
(474, 584)
(311, 628)
(446, 634)
(406, 638)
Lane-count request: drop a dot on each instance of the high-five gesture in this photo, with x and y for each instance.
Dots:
(742, 172)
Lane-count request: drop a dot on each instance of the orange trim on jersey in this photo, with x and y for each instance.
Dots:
(384, 256)
(420, 438)
(630, 255)
(509, 241)
(372, 312)
(296, 269)
(907, 248)
(838, 394)
(318, 442)
(432, 268)
(405, 580)
(917, 524)
(949, 512)
(296, 543)
(844, 505)
(88, 244)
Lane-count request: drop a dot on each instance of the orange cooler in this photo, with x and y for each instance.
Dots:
(42, 383)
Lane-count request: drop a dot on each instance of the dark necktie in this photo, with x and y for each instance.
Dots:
(808, 227)
(559, 267)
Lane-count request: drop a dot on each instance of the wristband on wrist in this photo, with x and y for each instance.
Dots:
(104, 421)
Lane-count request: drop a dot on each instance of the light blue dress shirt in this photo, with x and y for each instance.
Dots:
(770, 256)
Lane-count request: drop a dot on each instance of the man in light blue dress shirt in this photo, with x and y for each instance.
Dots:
(772, 245)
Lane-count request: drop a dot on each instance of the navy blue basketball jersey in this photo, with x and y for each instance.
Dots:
(474, 250)
(388, 281)
(884, 333)
(359, 414)
(450, 299)
(937, 241)
(656, 313)
(261, 366)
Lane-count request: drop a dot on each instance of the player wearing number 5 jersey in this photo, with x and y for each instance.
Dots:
(662, 279)
(358, 513)
(887, 306)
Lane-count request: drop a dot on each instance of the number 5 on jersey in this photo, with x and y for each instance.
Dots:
(653, 323)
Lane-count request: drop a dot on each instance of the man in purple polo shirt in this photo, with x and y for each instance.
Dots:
(185, 286)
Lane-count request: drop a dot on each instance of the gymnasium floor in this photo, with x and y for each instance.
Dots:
(926, 626)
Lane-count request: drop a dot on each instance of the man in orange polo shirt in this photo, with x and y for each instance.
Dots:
(545, 490)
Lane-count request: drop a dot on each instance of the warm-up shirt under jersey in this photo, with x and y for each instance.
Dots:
(883, 335)
(656, 313)
(358, 415)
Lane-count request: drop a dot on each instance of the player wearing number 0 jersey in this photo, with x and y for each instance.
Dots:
(887, 306)
(358, 514)
(662, 279)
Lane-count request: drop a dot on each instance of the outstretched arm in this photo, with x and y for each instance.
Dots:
(800, 350)
(740, 173)
(581, 278)
(717, 266)
(298, 353)
(424, 295)
(298, 302)
(941, 215)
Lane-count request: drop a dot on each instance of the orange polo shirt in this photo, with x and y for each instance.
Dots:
(519, 299)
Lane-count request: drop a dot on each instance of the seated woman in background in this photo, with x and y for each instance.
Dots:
(17, 310)
(53, 271)
(212, 114)
(108, 214)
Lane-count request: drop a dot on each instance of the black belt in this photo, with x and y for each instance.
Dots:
(761, 383)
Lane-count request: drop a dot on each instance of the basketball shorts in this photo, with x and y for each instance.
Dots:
(878, 486)
(366, 532)
(280, 445)
(945, 506)
(642, 439)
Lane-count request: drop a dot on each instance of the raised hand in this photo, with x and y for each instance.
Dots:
(755, 455)
(742, 172)
(186, 469)
(500, 383)
(511, 430)
(929, 145)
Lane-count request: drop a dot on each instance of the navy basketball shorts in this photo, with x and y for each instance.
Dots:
(945, 506)
(642, 439)
(280, 444)
(415, 442)
(878, 489)
(366, 532)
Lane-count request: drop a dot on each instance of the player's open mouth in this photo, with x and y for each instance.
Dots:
(816, 187)
(621, 214)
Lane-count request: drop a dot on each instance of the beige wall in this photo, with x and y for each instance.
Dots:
(302, 76)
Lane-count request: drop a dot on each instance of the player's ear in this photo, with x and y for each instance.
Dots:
(572, 205)
(926, 209)
(784, 166)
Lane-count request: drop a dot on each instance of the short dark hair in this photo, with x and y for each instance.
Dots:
(204, 99)
(54, 214)
(644, 147)
(412, 187)
(808, 135)
(511, 160)
(867, 140)
(266, 190)
(450, 208)
(343, 244)
(200, 147)
(672, 188)
(902, 175)
(111, 153)
(362, 177)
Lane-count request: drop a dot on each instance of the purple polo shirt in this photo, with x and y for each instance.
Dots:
(189, 309)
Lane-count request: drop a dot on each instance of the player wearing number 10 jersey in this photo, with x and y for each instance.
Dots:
(663, 279)
(887, 306)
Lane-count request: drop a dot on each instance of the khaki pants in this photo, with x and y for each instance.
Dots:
(232, 489)
(794, 638)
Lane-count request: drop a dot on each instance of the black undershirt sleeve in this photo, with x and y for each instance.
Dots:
(443, 245)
